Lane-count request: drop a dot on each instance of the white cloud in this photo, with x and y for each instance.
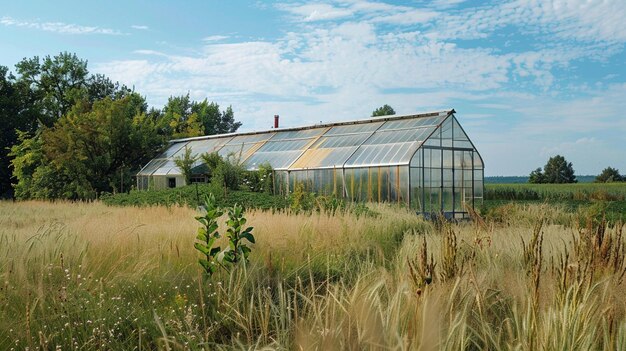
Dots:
(316, 12)
(215, 38)
(364, 11)
(139, 27)
(58, 27)
(581, 20)
(344, 58)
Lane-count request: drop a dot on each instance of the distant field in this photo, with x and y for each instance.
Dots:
(524, 179)
(608, 198)
(577, 191)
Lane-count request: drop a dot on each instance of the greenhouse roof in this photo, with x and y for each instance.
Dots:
(377, 141)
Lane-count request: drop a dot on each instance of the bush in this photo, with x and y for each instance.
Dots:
(192, 195)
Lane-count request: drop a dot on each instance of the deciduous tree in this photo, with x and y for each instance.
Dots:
(384, 110)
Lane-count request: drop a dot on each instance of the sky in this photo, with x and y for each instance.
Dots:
(528, 79)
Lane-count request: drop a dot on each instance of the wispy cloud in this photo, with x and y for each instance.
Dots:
(215, 38)
(580, 20)
(139, 27)
(58, 27)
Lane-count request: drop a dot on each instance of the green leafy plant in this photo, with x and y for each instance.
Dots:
(237, 249)
(208, 235)
(185, 164)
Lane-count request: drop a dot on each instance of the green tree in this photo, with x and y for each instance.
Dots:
(213, 120)
(90, 150)
(185, 164)
(178, 120)
(558, 171)
(57, 84)
(227, 173)
(536, 177)
(384, 110)
(610, 175)
(15, 115)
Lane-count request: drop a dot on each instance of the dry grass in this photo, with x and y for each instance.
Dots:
(88, 276)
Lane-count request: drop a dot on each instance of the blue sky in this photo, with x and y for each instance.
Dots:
(529, 79)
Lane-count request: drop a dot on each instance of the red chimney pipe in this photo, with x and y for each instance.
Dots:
(276, 121)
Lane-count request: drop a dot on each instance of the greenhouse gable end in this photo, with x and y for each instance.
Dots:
(425, 161)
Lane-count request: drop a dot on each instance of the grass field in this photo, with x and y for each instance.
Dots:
(609, 198)
(92, 277)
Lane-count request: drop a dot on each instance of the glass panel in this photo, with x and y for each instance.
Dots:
(172, 150)
(447, 199)
(412, 123)
(447, 159)
(199, 147)
(354, 128)
(403, 191)
(298, 134)
(435, 160)
(416, 161)
(416, 189)
(446, 133)
(459, 135)
(447, 178)
(152, 166)
(168, 167)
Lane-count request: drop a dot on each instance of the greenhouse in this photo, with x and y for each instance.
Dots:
(424, 161)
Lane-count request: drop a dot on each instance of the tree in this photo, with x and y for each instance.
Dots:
(384, 110)
(15, 115)
(178, 120)
(90, 150)
(556, 171)
(57, 83)
(536, 177)
(214, 121)
(185, 163)
(610, 175)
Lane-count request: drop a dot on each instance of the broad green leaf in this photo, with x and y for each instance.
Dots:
(248, 236)
(201, 248)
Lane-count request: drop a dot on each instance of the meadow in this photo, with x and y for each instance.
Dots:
(88, 276)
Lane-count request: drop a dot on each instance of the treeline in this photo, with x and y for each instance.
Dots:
(69, 134)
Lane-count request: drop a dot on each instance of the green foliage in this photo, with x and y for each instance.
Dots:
(178, 120)
(237, 249)
(86, 134)
(572, 198)
(225, 173)
(300, 199)
(57, 83)
(16, 114)
(536, 177)
(213, 120)
(185, 164)
(303, 201)
(192, 195)
(556, 171)
(610, 175)
(384, 110)
(208, 235)
(185, 118)
(556, 192)
(261, 180)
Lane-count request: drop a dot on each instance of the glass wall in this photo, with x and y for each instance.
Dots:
(446, 174)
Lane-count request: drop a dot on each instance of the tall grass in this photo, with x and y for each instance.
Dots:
(87, 276)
